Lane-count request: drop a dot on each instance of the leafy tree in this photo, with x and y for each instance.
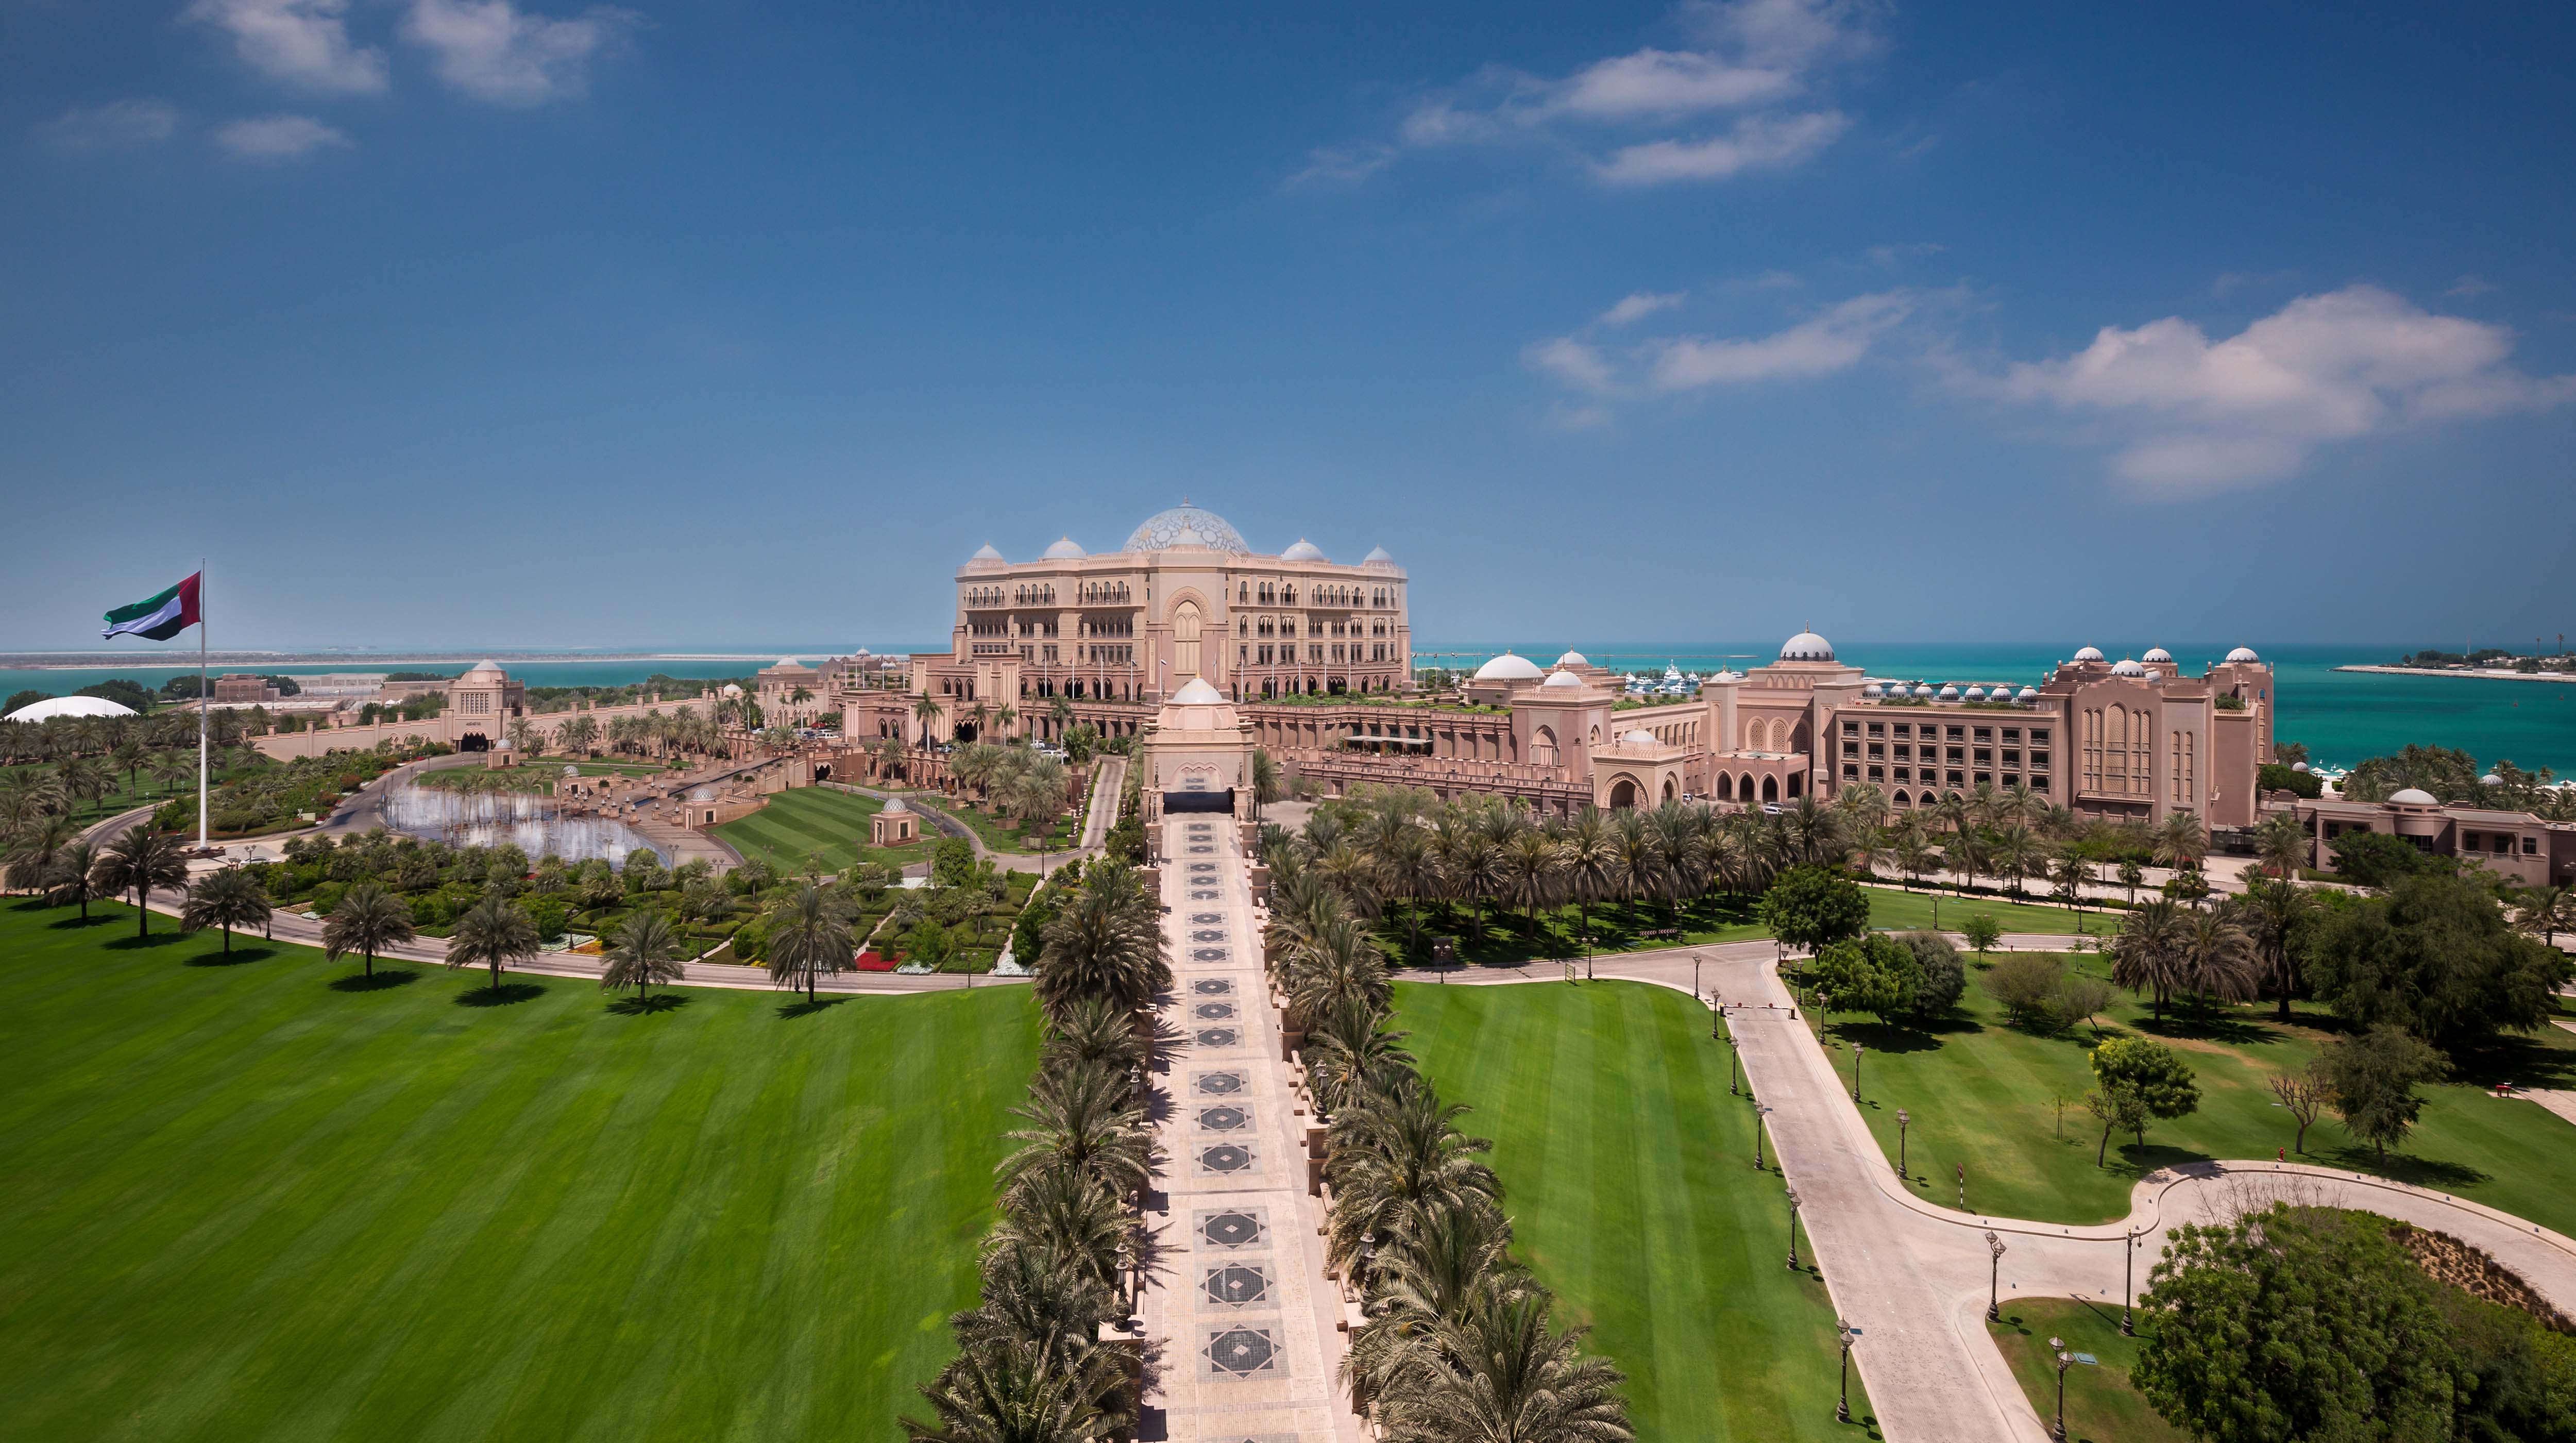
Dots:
(2283, 777)
(2304, 1095)
(494, 934)
(26, 697)
(1872, 974)
(1810, 907)
(368, 920)
(952, 862)
(2080, 998)
(646, 951)
(141, 860)
(2026, 985)
(226, 899)
(122, 692)
(1939, 976)
(2119, 1111)
(1983, 932)
(2295, 1324)
(2151, 1073)
(2377, 859)
(2434, 957)
(2373, 1079)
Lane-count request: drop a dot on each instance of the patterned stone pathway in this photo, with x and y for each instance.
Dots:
(1239, 1313)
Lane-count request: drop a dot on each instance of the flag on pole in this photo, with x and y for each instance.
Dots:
(158, 617)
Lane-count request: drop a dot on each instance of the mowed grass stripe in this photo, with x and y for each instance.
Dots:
(318, 1214)
(809, 827)
(1627, 1173)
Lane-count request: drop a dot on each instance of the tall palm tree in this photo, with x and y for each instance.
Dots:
(129, 758)
(1351, 1054)
(1531, 866)
(1865, 803)
(1954, 811)
(1012, 1395)
(1085, 1118)
(926, 711)
(83, 780)
(2217, 955)
(809, 939)
(647, 950)
(493, 933)
(1090, 1032)
(1337, 963)
(1107, 943)
(1395, 1158)
(1815, 832)
(2272, 913)
(369, 920)
(1592, 863)
(2070, 873)
(2182, 841)
(2147, 953)
(2281, 845)
(1913, 852)
(2019, 854)
(170, 768)
(1968, 853)
(141, 861)
(33, 847)
(73, 879)
(2545, 910)
(1511, 1378)
(1003, 716)
(28, 793)
(228, 898)
(1641, 858)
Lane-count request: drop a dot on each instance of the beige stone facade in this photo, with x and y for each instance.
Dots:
(2517, 846)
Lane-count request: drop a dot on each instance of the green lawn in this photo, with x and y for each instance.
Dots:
(1628, 1175)
(814, 828)
(144, 789)
(1904, 911)
(2102, 1406)
(997, 833)
(1983, 1094)
(1508, 939)
(258, 1202)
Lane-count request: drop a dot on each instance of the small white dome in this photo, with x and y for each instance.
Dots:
(1873, 691)
(1065, 550)
(2090, 653)
(1948, 693)
(2298, 766)
(1508, 667)
(895, 805)
(985, 552)
(703, 794)
(2157, 654)
(2028, 693)
(1377, 557)
(731, 689)
(1197, 692)
(789, 661)
(2491, 780)
(1806, 646)
(2126, 667)
(1562, 681)
(1303, 550)
(1975, 693)
(571, 771)
(1923, 688)
(1639, 738)
(48, 709)
(2243, 653)
(2415, 797)
(1572, 658)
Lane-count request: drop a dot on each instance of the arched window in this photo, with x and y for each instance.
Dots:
(1185, 640)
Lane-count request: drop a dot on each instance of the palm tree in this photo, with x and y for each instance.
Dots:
(2146, 955)
(169, 769)
(1265, 781)
(647, 950)
(1106, 943)
(494, 933)
(129, 758)
(2019, 854)
(1968, 854)
(1913, 852)
(83, 780)
(2281, 845)
(73, 880)
(1086, 1119)
(1864, 803)
(1510, 1378)
(2181, 842)
(1003, 716)
(139, 861)
(1337, 963)
(2217, 958)
(1012, 1395)
(1815, 832)
(1641, 860)
(1592, 863)
(228, 898)
(975, 715)
(2272, 913)
(2545, 909)
(27, 794)
(1954, 811)
(1531, 864)
(368, 920)
(809, 939)
(1396, 1157)
(2070, 874)
(1092, 1031)
(34, 846)
(926, 710)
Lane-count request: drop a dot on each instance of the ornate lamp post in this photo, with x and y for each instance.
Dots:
(1856, 1052)
(2128, 1283)
(1733, 1060)
(1901, 1120)
(1995, 1280)
(2064, 1360)
(1759, 1112)
(1842, 1407)
(1793, 1230)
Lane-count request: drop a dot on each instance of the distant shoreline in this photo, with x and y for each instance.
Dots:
(2482, 673)
(97, 661)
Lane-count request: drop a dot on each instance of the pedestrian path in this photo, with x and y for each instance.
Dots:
(1239, 1313)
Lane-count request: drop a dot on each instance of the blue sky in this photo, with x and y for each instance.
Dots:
(499, 322)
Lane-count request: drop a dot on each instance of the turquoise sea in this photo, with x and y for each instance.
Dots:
(2342, 716)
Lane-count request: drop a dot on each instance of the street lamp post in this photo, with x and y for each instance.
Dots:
(2064, 1358)
(1857, 1049)
(1901, 1120)
(1842, 1407)
(1995, 1280)
(1793, 1230)
(1759, 1111)
(2128, 1283)
(1734, 1088)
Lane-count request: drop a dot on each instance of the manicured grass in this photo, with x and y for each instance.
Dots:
(814, 829)
(1508, 939)
(1628, 1175)
(260, 1202)
(2102, 1405)
(1983, 1094)
(1903, 911)
(999, 834)
(145, 790)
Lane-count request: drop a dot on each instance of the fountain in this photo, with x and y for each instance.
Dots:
(530, 822)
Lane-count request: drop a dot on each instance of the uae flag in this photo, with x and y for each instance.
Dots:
(158, 617)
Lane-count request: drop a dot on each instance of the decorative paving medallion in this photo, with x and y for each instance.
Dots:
(1203, 896)
(1225, 1157)
(1200, 849)
(1232, 1228)
(1204, 919)
(1213, 986)
(1208, 934)
(1223, 1118)
(1213, 1011)
(1220, 1084)
(1207, 954)
(1241, 1353)
(1237, 1284)
(1202, 866)
(1218, 1037)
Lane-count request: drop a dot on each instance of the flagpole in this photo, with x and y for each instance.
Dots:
(205, 704)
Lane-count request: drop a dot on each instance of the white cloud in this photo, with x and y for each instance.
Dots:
(1644, 117)
(302, 42)
(1820, 345)
(1757, 142)
(2255, 406)
(117, 125)
(1576, 363)
(1638, 306)
(278, 137)
(2470, 286)
(492, 51)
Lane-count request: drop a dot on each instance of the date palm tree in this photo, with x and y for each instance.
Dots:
(809, 940)
(2217, 955)
(1592, 864)
(2019, 854)
(170, 768)
(369, 920)
(228, 898)
(1106, 943)
(2181, 842)
(1085, 1118)
(73, 879)
(1913, 852)
(493, 933)
(647, 950)
(2281, 845)
(1011, 1395)
(1003, 716)
(2147, 953)
(1509, 1375)
(33, 847)
(142, 860)
(2271, 913)
(83, 780)
(2545, 910)
(1396, 1158)
(1532, 865)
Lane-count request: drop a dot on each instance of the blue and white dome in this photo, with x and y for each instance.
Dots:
(2156, 654)
(1806, 646)
(1065, 550)
(2126, 667)
(1923, 689)
(2090, 653)
(2242, 654)
(1187, 525)
(2027, 694)
(1948, 692)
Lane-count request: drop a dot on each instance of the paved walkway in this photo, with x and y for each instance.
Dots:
(1241, 1318)
(1914, 1275)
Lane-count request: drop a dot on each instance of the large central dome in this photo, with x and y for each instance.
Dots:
(1187, 525)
